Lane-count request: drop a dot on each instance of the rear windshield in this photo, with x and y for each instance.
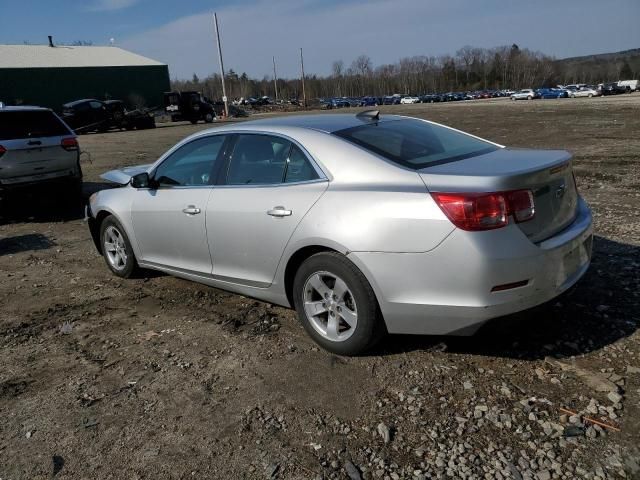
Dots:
(30, 124)
(414, 143)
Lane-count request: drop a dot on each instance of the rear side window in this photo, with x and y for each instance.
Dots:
(299, 169)
(30, 124)
(414, 143)
(258, 160)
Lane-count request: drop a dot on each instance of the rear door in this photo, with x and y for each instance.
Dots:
(270, 185)
(32, 141)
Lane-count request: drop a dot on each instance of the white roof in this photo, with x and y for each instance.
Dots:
(43, 56)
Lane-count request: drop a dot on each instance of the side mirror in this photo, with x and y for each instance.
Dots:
(141, 180)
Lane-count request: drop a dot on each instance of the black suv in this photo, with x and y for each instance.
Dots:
(191, 106)
(90, 115)
(612, 89)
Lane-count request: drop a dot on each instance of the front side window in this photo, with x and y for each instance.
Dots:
(258, 160)
(95, 105)
(414, 143)
(192, 164)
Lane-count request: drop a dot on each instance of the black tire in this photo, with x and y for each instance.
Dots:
(370, 325)
(208, 118)
(130, 267)
(194, 121)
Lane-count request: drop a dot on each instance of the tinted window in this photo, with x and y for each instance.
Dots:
(258, 160)
(17, 124)
(96, 105)
(299, 169)
(414, 143)
(192, 164)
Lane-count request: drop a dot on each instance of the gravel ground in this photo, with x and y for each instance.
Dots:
(161, 378)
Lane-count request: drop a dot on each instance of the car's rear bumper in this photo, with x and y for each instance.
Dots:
(27, 181)
(449, 289)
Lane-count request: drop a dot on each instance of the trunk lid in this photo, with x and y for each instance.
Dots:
(547, 173)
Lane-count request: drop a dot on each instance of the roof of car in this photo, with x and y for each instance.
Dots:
(21, 108)
(327, 122)
(77, 102)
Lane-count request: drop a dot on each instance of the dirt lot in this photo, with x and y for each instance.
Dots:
(162, 378)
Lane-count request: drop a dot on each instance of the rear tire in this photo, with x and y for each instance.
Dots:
(116, 248)
(341, 315)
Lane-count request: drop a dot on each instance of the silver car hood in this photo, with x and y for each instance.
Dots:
(123, 175)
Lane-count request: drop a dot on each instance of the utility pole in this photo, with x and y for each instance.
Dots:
(275, 78)
(304, 96)
(224, 90)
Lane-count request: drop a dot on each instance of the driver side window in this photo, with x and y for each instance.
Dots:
(192, 164)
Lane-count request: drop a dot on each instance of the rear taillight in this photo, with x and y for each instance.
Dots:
(520, 204)
(2, 150)
(69, 144)
(486, 211)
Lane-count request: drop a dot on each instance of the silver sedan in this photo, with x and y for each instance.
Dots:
(365, 224)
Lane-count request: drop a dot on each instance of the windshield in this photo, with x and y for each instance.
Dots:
(414, 143)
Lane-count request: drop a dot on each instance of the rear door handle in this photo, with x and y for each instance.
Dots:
(279, 211)
(191, 210)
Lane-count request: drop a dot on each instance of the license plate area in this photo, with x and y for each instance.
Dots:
(574, 260)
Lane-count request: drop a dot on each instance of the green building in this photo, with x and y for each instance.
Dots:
(49, 76)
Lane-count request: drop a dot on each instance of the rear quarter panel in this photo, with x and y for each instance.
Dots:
(371, 204)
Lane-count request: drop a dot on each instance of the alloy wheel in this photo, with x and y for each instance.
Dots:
(330, 306)
(115, 248)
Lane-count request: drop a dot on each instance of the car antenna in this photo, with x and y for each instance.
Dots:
(369, 114)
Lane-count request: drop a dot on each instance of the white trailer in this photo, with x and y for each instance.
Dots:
(629, 84)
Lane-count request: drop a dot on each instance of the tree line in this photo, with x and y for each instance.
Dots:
(470, 69)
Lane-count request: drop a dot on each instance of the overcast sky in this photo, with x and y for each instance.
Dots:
(180, 33)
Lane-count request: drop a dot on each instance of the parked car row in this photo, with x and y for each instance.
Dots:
(397, 99)
(577, 90)
(565, 92)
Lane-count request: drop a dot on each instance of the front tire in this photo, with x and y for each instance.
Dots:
(337, 305)
(116, 248)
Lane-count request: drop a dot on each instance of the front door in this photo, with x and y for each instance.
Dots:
(169, 219)
(269, 186)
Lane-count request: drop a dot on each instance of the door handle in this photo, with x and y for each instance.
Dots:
(191, 210)
(279, 211)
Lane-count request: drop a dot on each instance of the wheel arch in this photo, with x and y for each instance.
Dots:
(305, 251)
(294, 262)
(96, 222)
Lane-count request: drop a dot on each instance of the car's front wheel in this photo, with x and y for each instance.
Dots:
(336, 304)
(116, 248)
